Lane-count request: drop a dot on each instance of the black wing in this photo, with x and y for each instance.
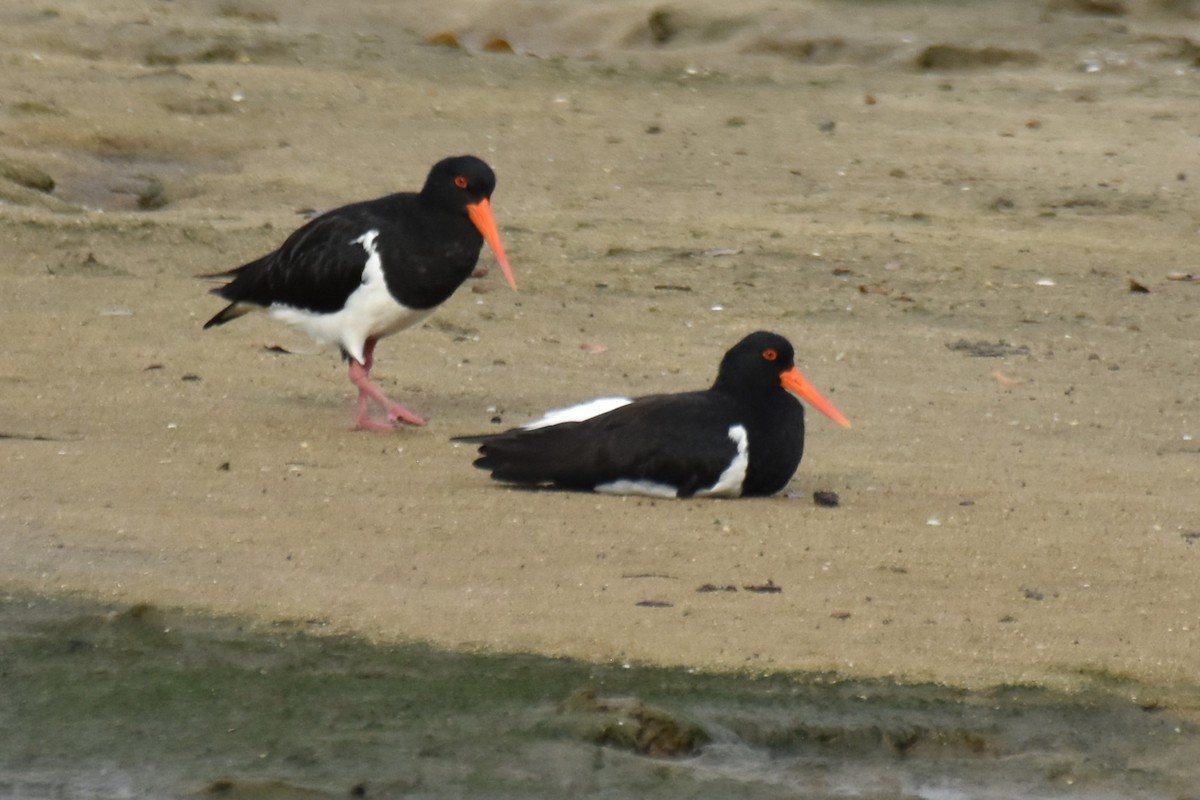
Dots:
(425, 253)
(679, 440)
(316, 268)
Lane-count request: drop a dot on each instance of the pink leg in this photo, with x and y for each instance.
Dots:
(360, 376)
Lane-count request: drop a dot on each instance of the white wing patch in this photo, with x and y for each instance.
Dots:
(647, 488)
(370, 311)
(578, 413)
(731, 480)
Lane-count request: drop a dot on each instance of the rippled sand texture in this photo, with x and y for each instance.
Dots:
(977, 222)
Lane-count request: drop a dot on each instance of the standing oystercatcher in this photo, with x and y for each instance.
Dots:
(742, 437)
(367, 270)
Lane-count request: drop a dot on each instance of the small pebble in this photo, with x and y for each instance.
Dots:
(826, 499)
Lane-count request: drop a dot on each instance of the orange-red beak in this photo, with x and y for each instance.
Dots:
(794, 382)
(481, 214)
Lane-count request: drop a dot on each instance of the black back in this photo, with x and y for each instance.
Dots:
(643, 441)
(679, 440)
(427, 244)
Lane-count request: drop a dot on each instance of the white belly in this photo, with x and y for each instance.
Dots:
(370, 312)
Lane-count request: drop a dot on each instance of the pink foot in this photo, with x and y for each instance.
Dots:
(362, 417)
(369, 424)
(375, 426)
(398, 413)
(367, 391)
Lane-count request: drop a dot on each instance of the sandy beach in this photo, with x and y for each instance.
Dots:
(976, 222)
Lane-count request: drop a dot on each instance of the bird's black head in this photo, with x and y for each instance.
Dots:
(463, 185)
(754, 365)
(455, 183)
(764, 364)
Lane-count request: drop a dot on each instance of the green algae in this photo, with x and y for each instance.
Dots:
(141, 701)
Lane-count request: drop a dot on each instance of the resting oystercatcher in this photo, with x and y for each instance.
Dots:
(367, 270)
(742, 437)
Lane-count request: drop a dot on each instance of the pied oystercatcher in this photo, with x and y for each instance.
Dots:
(742, 437)
(367, 270)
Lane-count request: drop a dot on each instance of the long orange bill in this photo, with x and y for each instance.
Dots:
(794, 382)
(481, 214)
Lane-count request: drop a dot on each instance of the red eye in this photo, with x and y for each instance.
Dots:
(769, 354)
(460, 182)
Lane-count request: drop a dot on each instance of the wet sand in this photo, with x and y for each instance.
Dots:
(276, 713)
(977, 225)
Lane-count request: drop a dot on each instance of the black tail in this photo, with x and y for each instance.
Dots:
(229, 312)
(231, 290)
(227, 275)
(544, 456)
